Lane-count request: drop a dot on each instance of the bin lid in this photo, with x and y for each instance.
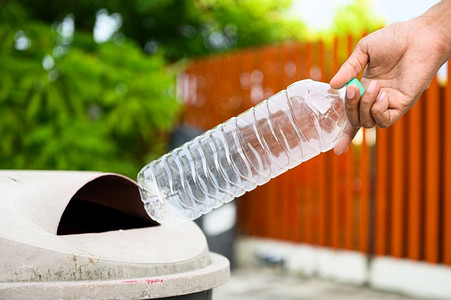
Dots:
(39, 258)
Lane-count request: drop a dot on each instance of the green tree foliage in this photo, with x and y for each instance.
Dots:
(184, 28)
(78, 105)
(68, 102)
(356, 18)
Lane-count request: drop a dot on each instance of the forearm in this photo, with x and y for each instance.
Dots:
(437, 20)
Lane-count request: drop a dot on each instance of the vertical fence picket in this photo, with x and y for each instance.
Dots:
(447, 172)
(257, 216)
(397, 191)
(315, 165)
(192, 111)
(236, 100)
(300, 173)
(210, 98)
(283, 187)
(213, 82)
(323, 170)
(415, 180)
(227, 80)
(242, 93)
(184, 94)
(380, 242)
(432, 173)
(335, 206)
(349, 201)
(202, 102)
(268, 69)
(292, 74)
(364, 196)
(287, 71)
(307, 168)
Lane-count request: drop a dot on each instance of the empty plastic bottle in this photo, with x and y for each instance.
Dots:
(244, 152)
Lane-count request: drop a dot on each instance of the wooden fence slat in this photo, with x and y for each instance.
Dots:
(303, 201)
(264, 195)
(201, 101)
(295, 209)
(229, 92)
(447, 172)
(381, 195)
(267, 63)
(245, 86)
(304, 209)
(432, 173)
(244, 206)
(397, 195)
(235, 98)
(335, 206)
(364, 213)
(192, 116)
(323, 171)
(349, 203)
(290, 62)
(415, 181)
(199, 95)
(207, 105)
(210, 97)
(285, 197)
(335, 171)
(307, 166)
(304, 58)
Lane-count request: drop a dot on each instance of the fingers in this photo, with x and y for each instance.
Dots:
(348, 134)
(352, 105)
(362, 111)
(366, 103)
(358, 109)
(352, 67)
(383, 115)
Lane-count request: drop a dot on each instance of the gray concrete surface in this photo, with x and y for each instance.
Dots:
(261, 284)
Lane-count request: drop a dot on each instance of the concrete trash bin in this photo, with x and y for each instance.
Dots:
(86, 235)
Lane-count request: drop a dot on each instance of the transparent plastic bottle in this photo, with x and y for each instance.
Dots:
(244, 152)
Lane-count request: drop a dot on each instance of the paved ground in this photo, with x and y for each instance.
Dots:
(270, 285)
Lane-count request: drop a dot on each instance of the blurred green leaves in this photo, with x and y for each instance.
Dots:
(68, 102)
(248, 23)
(356, 18)
(78, 105)
(183, 28)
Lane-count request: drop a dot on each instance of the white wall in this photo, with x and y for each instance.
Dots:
(412, 278)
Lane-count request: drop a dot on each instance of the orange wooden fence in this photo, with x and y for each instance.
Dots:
(389, 194)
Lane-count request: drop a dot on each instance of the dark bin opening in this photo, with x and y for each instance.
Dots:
(107, 203)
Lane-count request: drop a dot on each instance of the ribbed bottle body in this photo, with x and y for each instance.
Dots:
(244, 152)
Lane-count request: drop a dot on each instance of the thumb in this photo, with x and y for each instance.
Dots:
(352, 66)
(348, 134)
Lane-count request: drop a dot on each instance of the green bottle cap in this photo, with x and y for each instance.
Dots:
(357, 82)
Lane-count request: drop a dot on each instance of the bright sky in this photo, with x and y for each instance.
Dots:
(318, 14)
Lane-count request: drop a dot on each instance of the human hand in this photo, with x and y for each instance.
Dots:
(401, 61)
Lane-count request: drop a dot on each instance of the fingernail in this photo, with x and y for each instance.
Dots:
(381, 96)
(350, 93)
(372, 87)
